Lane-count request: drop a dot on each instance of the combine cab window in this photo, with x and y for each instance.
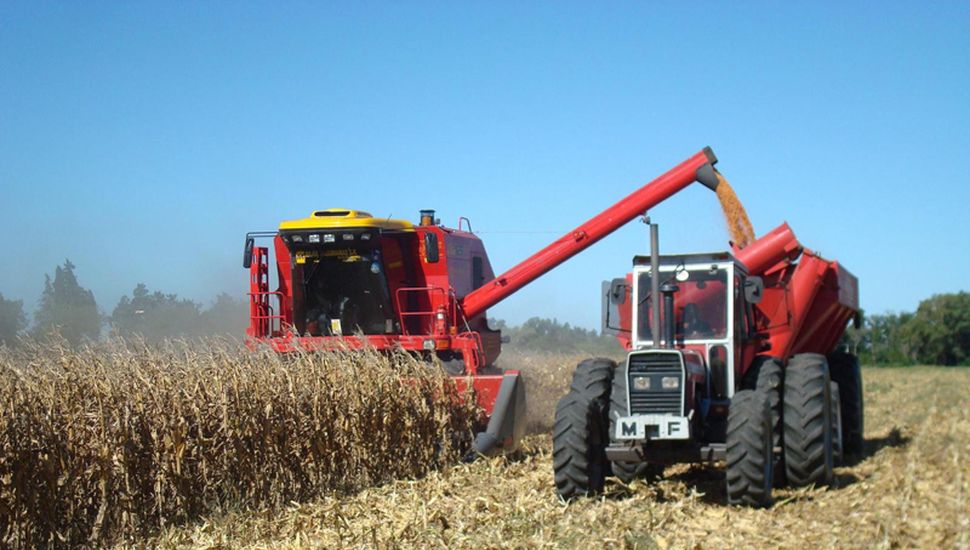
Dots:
(700, 304)
(344, 291)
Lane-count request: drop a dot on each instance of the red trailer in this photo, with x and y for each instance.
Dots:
(732, 356)
(347, 279)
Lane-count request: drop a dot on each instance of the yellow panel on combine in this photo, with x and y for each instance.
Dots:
(342, 218)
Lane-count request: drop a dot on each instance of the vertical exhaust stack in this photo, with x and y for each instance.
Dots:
(427, 217)
(655, 282)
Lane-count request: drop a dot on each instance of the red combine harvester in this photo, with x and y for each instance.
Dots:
(731, 357)
(349, 280)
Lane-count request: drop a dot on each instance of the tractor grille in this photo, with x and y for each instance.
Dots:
(656, 400)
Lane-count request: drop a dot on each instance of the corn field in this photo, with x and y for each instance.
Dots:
(113, 442)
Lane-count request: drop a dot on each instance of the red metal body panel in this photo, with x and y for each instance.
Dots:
(805, 306)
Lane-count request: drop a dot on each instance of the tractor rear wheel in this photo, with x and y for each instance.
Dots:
(750, 467)
(626, 471)
(847, 373)
(579, 436)
(808, 421)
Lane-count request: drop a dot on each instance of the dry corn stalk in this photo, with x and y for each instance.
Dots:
(115, 441)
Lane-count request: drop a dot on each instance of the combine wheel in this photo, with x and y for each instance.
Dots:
(808, 421)
(579, 437)
(847, 373)
(749, 449)
(626, 471)
(837, 450)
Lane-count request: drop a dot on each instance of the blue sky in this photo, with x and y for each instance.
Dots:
(143, 140)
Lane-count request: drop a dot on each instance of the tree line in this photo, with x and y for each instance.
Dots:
(71, 311)
(937, 333)
(538, 334)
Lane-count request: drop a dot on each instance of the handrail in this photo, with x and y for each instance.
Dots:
(261, 313)
(447, 300)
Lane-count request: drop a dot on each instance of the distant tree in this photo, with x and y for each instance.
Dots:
(12, 320)
(538, 334)
(155, 316)
(939, 332)
(857, 340)
(226, 316)
(885, 343)
(67, 308)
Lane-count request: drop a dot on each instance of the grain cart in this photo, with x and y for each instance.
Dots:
(731, 358)
(346, 280)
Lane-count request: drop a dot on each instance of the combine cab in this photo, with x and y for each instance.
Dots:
(731, 358)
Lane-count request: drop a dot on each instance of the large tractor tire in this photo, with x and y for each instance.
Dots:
(847, 373)
(750, 466)
(579, 436)
(808, 421)
(767, 375)
(626, 471)
(838, 454)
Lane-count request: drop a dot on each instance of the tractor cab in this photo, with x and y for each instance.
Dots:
(688, 332)
(705, 308)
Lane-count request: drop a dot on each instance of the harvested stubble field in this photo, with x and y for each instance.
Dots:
(910, 489)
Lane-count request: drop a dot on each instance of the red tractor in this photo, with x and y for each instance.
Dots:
(731, 357)
(344, 279)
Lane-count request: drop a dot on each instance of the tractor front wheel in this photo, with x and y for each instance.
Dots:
(580, 436)
(750, 465)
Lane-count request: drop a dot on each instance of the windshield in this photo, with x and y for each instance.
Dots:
(345, 291)
(700, 304)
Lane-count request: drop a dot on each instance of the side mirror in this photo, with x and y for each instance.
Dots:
(754, 289)
(618, 289)
(248, 252)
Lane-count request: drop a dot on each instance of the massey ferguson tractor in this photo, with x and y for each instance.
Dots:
(731, 357)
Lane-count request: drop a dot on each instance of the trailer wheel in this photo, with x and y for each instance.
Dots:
(808, 421)
(579, 436)
(847, 373)
(750, 468)
(837, 448)
(767, 375)
(627, 471)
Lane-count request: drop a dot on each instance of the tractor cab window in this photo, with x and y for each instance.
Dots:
(344, 291)
(700, 303)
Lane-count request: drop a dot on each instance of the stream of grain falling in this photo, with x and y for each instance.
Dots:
(739, 226)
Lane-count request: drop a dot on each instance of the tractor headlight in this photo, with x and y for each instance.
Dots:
(314, 238)
(641, 383)
(670, 382)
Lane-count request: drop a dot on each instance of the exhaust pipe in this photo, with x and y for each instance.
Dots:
(655, 282)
